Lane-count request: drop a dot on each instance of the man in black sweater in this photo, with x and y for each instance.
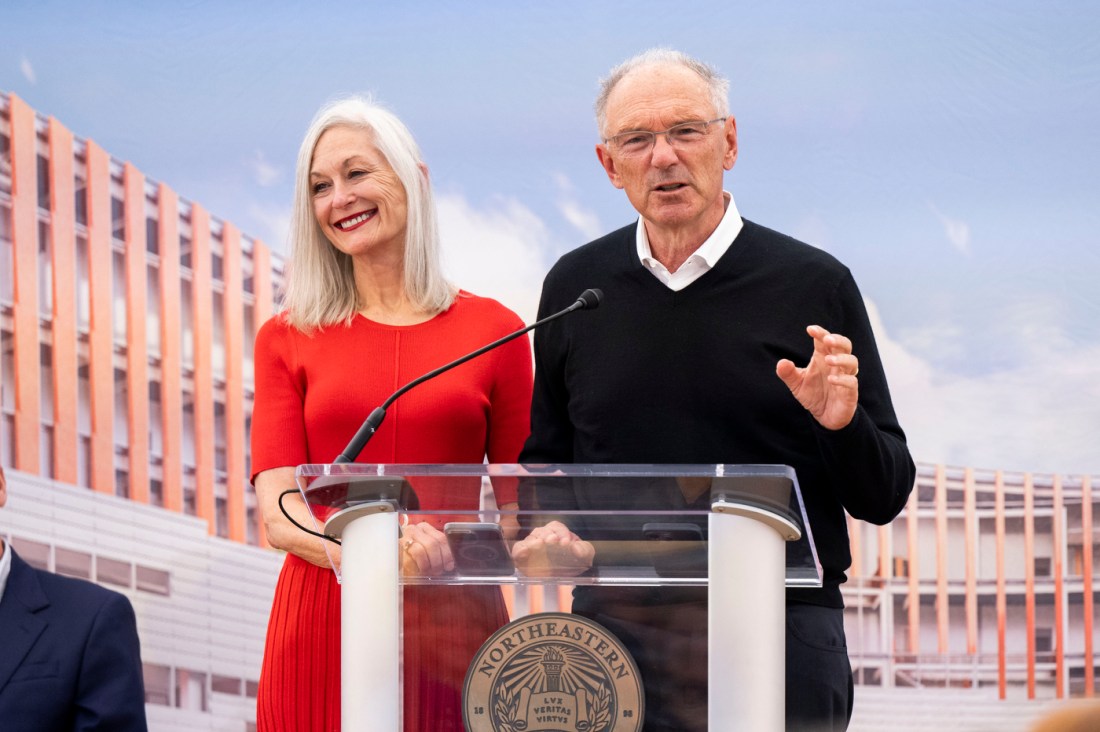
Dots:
(719, 341)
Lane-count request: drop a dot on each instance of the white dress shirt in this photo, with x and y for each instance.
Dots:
(5, 567)
(702, 259)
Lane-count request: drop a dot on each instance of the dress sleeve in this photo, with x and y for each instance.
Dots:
(510, 411)
(278, 421)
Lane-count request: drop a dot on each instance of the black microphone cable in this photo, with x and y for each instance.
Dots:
(291, 519)
(588, 300)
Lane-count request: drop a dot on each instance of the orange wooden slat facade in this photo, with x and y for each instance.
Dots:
(263, 288)
(943, 607)
(1002, 598)
(203, 319)
(24, 232)
(970, 538)
(1086, 574)
(912, 529)
(171, 352)
(63, 322)
(137, 346)
(1058, 532)
(1029, 580)
(233, 317)
(101, 363)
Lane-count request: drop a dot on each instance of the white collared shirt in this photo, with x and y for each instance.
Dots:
(5, 567)
(702, 259)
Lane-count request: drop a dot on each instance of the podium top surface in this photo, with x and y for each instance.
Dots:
(649, 523)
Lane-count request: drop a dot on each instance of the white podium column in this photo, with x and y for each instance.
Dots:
(370, 621)
(747, 623)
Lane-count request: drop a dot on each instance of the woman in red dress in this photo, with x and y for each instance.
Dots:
(366, 311)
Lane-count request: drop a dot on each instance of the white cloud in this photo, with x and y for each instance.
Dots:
(495, 252)
(271, 224)
(813, 230)
(1041, 414)
(27, 70)
(582, 219)
(957, 231)
(264, 173)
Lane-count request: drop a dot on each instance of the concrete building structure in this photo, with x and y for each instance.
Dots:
(127, 316)
(985, 580)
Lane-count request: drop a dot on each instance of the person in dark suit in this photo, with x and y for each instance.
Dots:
(69, 654)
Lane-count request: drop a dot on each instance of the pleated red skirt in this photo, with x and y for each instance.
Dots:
(299, 687)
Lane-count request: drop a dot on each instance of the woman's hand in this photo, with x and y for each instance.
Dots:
(424, 551)
(282, 534)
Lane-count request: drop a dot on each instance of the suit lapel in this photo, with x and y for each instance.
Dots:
(19, 626)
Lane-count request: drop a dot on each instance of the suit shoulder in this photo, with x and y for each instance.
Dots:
(61, 589)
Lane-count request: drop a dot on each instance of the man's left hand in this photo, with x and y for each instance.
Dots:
(553, 550)
(827, 387)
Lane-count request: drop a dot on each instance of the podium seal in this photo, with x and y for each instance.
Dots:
(553, 672)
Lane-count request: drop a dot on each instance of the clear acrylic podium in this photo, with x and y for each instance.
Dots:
(738, 530)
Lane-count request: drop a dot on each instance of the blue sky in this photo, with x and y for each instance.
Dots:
(946, 152)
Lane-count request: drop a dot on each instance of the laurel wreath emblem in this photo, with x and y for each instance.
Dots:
(540, 672)
(507, 712)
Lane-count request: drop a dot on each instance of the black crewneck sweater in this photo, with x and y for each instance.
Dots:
(657, 376)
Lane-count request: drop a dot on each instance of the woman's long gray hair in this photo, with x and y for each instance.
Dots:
(320, 287)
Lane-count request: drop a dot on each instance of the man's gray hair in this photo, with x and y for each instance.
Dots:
(320, 288)
(718, 85)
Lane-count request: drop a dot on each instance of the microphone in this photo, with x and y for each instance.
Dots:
(587, 300)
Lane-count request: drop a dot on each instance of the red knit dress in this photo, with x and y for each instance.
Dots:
(312, 394)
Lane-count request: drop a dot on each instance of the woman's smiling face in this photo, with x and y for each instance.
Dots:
(358, 200)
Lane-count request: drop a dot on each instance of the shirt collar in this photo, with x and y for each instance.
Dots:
(711, 250)
(5, 567)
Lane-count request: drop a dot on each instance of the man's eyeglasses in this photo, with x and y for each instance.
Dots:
(639, 142)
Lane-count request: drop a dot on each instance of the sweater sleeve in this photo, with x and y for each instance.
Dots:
(869, 454)
(551, 439)
(510, 411)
